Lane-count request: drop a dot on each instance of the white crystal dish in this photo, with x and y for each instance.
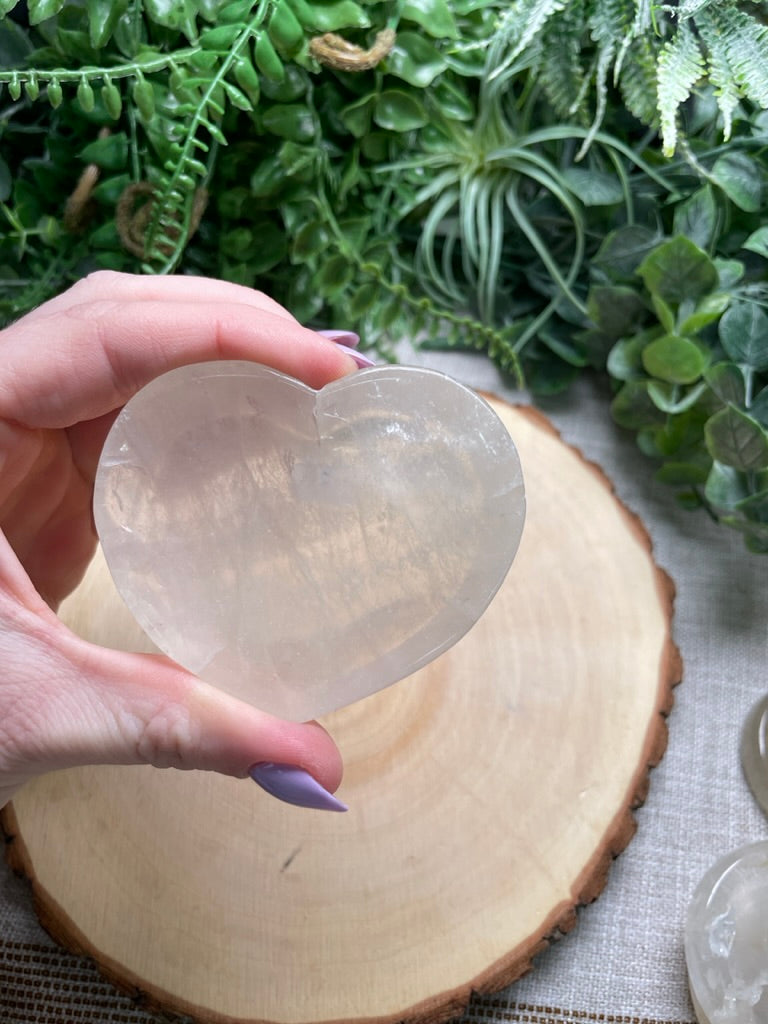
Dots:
(302, 549)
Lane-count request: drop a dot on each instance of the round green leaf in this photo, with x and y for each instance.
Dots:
(739, 175)
(734, 438)
(675, 359)
(677, 270)
(727, 382)
(758, 242)
(331, 15)
(294, 121)
(415, 60)
(744, 335)
(434, 16)
(399, 111)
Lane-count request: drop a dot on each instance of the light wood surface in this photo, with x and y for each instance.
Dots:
(488, 794)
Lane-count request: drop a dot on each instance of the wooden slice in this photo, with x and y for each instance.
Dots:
(488, 795)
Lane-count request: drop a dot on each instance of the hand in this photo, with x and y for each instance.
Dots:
(66, 369)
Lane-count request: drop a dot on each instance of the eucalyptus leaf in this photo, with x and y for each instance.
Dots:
(682, 474)
(726, 487)
(633, 407)
(740, 177)
(736, 439)
(623, 250)
(729, 273)
(616, 309)
(678, 270)
(744, 335)
(706, 312)
(594, 188)
(675, 359)
(758, 242)
(727, 382)
(759, 407)
(697, 218)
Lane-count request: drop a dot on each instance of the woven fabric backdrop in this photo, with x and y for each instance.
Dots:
(623, 963)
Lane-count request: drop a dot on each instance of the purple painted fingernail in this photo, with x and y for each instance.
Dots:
(294, 786)
(362, 360)
(346, 338)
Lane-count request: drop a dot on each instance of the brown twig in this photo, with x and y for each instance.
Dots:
(336, 52)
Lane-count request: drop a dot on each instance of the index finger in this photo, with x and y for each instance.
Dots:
(82, 360)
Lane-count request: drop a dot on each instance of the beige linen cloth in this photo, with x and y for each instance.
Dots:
(623, 963)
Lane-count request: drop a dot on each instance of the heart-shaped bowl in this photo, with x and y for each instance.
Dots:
(302, 549)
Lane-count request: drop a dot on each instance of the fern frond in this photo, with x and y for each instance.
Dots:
(719, 71)
(519, 27)
(744, 40)
(561, 73)
(641, 27)
(680, 66)
(638, 78)
(609, 23)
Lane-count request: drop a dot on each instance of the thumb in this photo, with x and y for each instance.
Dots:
(74, 703)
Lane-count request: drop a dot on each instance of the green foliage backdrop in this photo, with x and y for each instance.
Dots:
(565, 185)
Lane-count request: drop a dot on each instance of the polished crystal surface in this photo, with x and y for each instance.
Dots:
(726, 939)
(754, 753)
(304, 549)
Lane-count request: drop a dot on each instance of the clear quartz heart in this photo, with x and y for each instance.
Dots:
(302, 549)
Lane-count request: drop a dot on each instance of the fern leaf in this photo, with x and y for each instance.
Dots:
(745, 43)
(680, 66)
(520, 26)
(687, 8)
(561, 73)
(719, 71)
(641, 26)
(638, 78)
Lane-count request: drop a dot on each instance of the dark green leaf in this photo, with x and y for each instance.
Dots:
(434, 16)
(311, 240)
(675, 359)
(334, 274)
(729, 272)
(678, 270)
(682, 474)
(697, 218)
(616, 309)
(110, 153)
(294, 121)
(664, 313)
(103, 15)
(737, 440)
(739, 176)
(39, 10)
(398, 111)
(758, 242)
(357, 116)
(6, 181)
(744, 335)
(726, 487)
(708, 310)
(623, 250)
(625, 360)
(452, 99)
(759, 407)
(15, 45)
(332, 15)
(415, 60)
(727, 382)
(632, 407)
(593, 188)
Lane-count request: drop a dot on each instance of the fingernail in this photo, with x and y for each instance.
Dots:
(362, 360)
(346, 338)
(294, 786)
